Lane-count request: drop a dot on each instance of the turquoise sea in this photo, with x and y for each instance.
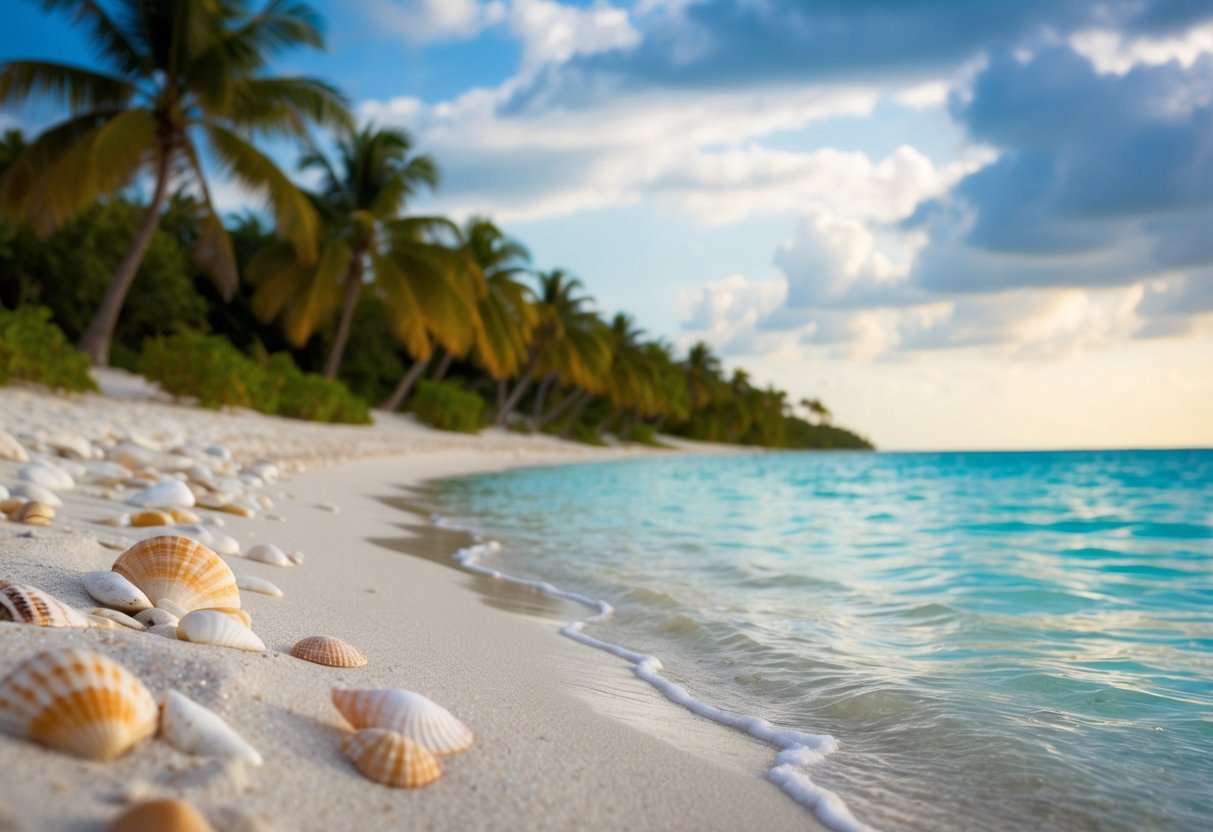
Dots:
(992, 640)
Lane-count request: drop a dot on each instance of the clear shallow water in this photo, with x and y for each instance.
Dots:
(996, 640)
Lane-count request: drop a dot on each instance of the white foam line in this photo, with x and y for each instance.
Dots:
(797, 749)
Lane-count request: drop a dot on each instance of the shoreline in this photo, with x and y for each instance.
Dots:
(548, 754)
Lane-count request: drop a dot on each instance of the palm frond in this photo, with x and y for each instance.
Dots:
(110, 41)
(213, 250)
(303, 297)
(404, 309)
(283, 106)
(79, 89)
(280, 25)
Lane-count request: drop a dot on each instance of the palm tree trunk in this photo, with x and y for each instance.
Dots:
(511, 401)
(443, 366)
(540, 396)
(567, 430)
(353, 288)
(95, 341)
(392, 403)
(564, 404)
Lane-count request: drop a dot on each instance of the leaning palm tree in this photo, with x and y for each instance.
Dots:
(426, 286)
(507, 314)
(182, 77)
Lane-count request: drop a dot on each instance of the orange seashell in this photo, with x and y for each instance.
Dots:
(152, 518)
(161, 816)
(417, 717)
(34, 513)
(183, 515)
(181, 571)
(391, 758)
(26, 604)
(328, 650)
(77, 701)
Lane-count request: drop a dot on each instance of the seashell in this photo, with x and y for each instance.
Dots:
(104, 472)
(46, 476)
(9, 505)
(328, 650)
(25, 604)
(77, 701)
(328, 507)
(181, 571)
(268, 553)
(119, 618)
(131, 455)
(218, 451)
(295, 558)
(157, 618)
(10, 448)
(168, 631)
(161, 816)
(3, 493)
(224, 544)
(118, 520)
(71, 446)
(172, 607)
(228, 507)
(189, 727)
(114, 590)
(219, 629)
(417, 717)
(255, 584)
(251, 480)
(236, 615)
(391, 758)
(264, 501)
(34, 513)
(182, 515)
(101, 623)
(74, 469)
(165, 494)
(196, 531)
(140, 482)
(151, 518)
(33, 491)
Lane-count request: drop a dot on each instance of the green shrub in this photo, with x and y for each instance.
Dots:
(34, 349)
(447, 406)
(211, 370)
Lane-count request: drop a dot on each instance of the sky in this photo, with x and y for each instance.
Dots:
(965, 224)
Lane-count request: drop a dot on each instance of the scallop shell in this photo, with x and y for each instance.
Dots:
(179, 570)
(114, 590)
(189, 727)
(161, 816)
(328, 650)
(268, 553)
(165, 494)
(26, 604)
(34, 513)
(417, 717)
(219, 629)
(77, 701)
(391, 758)
(152, 518)
(119, 618)
(46, 476)
(235, 614)
(255, 584)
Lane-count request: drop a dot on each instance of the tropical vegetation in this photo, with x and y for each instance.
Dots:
(335, 296)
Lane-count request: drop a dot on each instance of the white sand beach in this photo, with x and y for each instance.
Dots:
(566, 737)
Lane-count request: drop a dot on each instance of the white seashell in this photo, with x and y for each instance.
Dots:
(158, 618)
(268, 553)
(417, 717)
(73, 469)
(77, 701)
(252, 480)
(328, 507)
(37, 493)
(118, 520)
(165, 494)
(10, 448)
(189, 727)
(218, 451)
(214, 521)
(104, 472)
(25, 604)
(265, 469)
(173, 608)
(120, 618)
(113, 590)
(71, 445)
(295, 557)
(219, 629)
(198, 532)
(46, 476)
(224, 544)
(255, 584)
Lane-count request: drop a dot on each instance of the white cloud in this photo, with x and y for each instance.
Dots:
(726, 313)
(552, 32)
(1113, 53)
(426, 21)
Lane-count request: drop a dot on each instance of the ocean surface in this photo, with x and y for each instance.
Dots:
(992, 640)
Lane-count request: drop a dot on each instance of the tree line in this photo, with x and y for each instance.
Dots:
(346, 278)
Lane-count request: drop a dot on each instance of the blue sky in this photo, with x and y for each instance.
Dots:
(962, 224)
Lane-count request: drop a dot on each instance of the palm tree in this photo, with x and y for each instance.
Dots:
(569, 341)
(703, 374)
(360, 200)
(180, 77)
(507, 314)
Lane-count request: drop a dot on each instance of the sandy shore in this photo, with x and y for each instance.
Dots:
(566, 737)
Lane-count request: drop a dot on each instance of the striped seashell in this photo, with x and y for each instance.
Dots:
(77, 701)
(235, 614)
(268, 553)
(417, 717)
(183, 515)
(24, 604)
(219, 629)
(179, 570)
(113, 590)
(255, 584)
(328, 650)
(391, 758)
(34, 513)
(189, 727)
(161, 816)
(119, 618)
(151, 518)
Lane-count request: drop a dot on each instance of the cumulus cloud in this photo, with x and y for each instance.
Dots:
(552, 32)
(726, 313)
(426, 21)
